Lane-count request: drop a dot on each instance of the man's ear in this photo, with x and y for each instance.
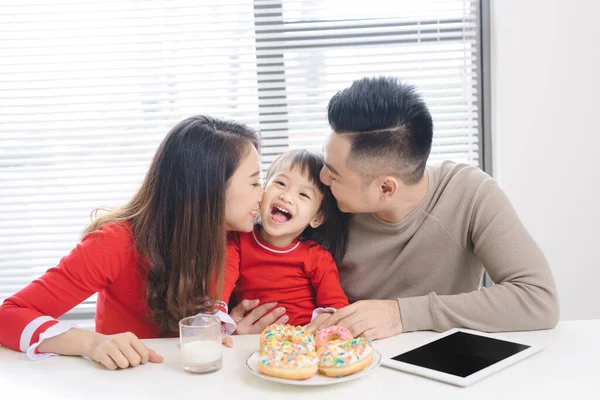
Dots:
(388, 187)
(317, 220)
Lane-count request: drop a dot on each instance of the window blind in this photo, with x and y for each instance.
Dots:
(89, 89)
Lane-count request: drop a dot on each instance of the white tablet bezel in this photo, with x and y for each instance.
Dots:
(469, 380)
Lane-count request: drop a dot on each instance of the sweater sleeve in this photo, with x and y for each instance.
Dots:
(524, 296)
(92, 265)
(325, 280)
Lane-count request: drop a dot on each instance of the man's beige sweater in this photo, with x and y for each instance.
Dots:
(433, 260)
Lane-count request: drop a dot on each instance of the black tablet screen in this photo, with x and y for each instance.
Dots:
(461, 354)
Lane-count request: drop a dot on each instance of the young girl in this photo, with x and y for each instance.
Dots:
(151, 261)
(289, 256)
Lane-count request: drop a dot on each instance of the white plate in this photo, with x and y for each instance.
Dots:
(317, 379)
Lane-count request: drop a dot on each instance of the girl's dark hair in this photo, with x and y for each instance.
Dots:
(333, 233)
(177, 217)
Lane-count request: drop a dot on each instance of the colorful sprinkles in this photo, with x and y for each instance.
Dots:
(344, 353)
(287, 346)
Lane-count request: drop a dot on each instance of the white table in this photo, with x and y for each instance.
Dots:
(569, 366)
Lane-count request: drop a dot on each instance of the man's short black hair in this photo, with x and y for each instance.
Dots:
(388, 124)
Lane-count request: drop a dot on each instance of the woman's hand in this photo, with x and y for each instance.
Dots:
(120, 351)
(250, 317)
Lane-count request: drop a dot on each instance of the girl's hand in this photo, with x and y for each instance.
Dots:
(120, 351)
(226, 340)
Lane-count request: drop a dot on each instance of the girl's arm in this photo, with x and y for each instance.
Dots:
(326, 281)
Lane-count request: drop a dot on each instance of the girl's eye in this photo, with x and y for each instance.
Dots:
(305, 195)
(279, 183)
(256, 184)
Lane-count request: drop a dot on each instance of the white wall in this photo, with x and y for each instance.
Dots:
(545, 75)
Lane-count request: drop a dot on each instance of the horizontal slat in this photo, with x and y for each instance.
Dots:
(36, 146)
(319, 105)
(294, 119)
(223, 82)
(74, 219)
(54, 13)
(447, 97)
(18, 234)
(447, 65)
(19, 49)
(273, 123)
(216, 52)
(247, 60)
(78, 32)
(426, 88)
(449, 126)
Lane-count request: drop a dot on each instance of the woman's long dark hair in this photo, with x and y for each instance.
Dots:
(178, 215)
(333, 233)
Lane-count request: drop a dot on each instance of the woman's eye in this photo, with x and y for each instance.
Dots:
(256, 184)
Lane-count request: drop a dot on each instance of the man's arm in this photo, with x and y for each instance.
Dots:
(524, 296)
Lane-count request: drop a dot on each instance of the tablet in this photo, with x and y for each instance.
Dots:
(462, 357)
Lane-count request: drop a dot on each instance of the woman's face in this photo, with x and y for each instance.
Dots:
(243, 195)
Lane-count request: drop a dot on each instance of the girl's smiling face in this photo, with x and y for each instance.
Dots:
(290, 204)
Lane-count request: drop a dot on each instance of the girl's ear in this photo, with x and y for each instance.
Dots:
(317, 220)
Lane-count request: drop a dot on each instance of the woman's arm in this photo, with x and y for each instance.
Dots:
(28, 319)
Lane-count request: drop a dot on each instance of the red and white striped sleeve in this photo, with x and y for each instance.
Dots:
(30, 315)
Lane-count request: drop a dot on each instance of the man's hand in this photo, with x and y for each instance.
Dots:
(314, 325)
(250, 318)
(372, 319)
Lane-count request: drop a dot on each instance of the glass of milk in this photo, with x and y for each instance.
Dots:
(201, 349)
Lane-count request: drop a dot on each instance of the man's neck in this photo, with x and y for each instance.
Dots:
(406, 201)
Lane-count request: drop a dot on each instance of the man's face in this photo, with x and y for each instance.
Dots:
(352, 192)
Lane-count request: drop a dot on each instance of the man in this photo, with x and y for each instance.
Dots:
(420, 235)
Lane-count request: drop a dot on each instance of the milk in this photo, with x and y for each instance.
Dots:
(202, 355)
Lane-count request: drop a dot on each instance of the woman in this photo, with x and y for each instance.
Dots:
(152, 261)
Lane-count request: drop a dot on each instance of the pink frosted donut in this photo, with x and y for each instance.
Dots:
(333, 333)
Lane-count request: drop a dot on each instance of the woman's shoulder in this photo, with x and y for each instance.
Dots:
(114, 235)
(102, 254)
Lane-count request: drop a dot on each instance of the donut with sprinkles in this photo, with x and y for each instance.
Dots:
(345, 358)
(287, 352)
(335, 333)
